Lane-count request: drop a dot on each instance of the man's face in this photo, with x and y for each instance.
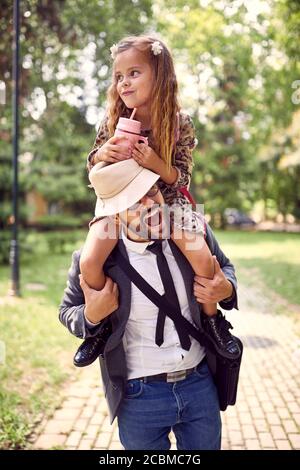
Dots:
(147, 219)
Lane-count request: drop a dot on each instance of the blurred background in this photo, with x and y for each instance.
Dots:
(238, 68)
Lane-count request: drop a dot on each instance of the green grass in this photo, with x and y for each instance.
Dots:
(271, 260)
(38, 347)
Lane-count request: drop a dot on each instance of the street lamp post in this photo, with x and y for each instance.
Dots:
(14, 247)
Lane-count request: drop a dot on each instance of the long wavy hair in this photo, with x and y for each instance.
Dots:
(164, 100)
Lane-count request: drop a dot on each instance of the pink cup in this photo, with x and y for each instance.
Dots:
(130, 129)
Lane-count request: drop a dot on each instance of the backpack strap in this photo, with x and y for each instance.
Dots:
(160, 300)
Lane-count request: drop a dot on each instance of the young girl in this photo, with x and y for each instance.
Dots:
(144, 78)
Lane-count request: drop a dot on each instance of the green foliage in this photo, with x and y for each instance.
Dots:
(289, 11)
(13, 426)
(269, 260)
(57, 221)
(32, 243)
(242, 91)
(38, 348)
(241, 63)
(56, 92)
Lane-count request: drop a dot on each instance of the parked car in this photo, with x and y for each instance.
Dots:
(235, 217)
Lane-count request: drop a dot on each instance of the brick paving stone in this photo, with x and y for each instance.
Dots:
(116, 445)
(225, 444)
(48, 441)
(56, 426)
(289, 425)
(235, 437)
(273, 418)
(91, 431)
(80, 392)
(231, 412)
(66, 414)
(278, 432)
(293, 406)
(289, 396)
(266, 440)
(252, 401)
(106, 426)
(263, 397)
(103, 440)
(74, 438)
(283, 413)
(115, 434)
(74, 402)
(252, 444)
(249, 432)
(102, 407)
(279, 403)
(93, 401)
(261, 425)
(97, 418)
(296, 417)
(268, 407)
(234, 424)
(274, 395)
(245, 418)
(257, 413)
(243, 406)
(283, 444)
(86, 444)
(80, 424)
(88, 412)
(295, 440)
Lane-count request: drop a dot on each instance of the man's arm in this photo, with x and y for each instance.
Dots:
(223, 287)
(82, 312)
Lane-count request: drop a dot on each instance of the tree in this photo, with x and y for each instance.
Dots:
(65, 71)
(240, 77)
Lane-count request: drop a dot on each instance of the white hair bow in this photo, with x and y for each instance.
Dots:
(156, 47)
(114, 50)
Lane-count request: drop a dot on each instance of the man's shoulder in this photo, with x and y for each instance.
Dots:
(76, 255)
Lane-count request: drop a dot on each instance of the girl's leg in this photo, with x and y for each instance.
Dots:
(101, 240)
(195, 249)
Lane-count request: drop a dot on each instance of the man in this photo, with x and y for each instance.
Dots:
(150, 389)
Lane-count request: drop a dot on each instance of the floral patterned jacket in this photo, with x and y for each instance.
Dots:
(182, 158)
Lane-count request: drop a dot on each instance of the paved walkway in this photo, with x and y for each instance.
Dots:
(267, 414)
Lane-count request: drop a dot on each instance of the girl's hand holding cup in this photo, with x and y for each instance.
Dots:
(114, 150)
(146, 157)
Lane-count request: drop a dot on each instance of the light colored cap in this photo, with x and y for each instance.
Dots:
(119, 185)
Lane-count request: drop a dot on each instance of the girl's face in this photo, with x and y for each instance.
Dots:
(133, 74)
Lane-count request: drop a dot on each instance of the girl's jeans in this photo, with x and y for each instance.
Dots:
(189, 407)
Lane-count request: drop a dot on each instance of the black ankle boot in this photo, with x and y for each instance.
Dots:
(91, 348)
(217, 328)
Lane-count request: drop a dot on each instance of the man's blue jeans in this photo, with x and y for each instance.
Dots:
(189, 407)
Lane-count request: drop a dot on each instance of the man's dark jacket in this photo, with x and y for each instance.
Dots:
(113, 362)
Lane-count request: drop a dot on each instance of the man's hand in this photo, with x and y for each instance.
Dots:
(212, 290)
(99, 304)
